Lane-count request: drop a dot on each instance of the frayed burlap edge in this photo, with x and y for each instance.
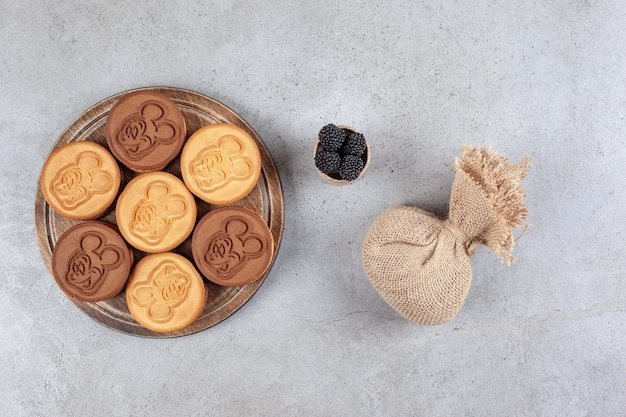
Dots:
(500, 180)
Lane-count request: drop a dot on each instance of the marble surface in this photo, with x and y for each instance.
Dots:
(545, 336)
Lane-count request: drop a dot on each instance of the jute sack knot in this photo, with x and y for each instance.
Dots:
(420, 264)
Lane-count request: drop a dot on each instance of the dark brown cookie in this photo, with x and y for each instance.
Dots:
(91, 261)
(145, 131)
(232, 246)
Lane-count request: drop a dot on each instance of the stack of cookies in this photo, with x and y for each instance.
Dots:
(156, 211)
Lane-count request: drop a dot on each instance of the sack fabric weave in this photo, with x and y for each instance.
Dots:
(420, 264)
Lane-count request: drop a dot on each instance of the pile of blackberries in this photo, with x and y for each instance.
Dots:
(342, 153)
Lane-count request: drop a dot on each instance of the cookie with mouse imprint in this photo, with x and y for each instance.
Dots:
(145, 130)
(232, 246)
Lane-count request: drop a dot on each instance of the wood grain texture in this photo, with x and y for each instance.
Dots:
(266, 199)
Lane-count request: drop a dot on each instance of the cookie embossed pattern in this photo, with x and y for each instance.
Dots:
(156, 210)
(91, 261)
(220, 163)
(80, 180)
(145, 130)
(165, 292)
(232, 246)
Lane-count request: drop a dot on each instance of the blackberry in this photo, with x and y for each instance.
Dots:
(354, 144)
(327, 161)
(331, 137)
(351, 167)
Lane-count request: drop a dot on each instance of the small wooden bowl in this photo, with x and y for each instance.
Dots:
(334, 177)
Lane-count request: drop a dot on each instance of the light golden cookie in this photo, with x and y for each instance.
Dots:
(155, 212)
(165, 293)
(145, 130)
(232, 246)
(80, 180)
(220, 163)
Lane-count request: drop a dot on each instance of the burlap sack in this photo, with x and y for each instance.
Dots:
(420, 264)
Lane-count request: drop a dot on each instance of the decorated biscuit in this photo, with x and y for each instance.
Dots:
(80, 180)
(155, 212)
(232, 246)
(91, 261)
(165, 293)
(145, 131)
(220, 163)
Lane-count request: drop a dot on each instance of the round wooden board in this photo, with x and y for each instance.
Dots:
(266, 199)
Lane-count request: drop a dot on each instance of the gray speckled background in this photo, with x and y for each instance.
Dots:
(545, 336)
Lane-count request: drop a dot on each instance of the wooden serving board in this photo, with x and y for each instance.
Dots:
(266, 199)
